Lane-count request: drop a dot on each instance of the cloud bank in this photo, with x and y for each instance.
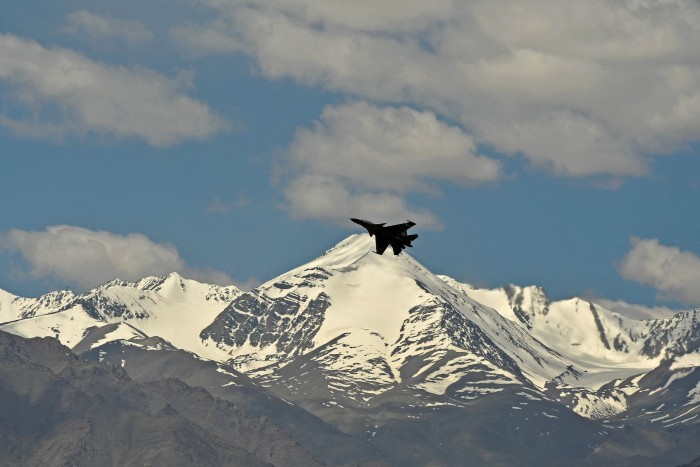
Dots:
(361, 159)
(579, 88)
(87, 258)
(576, 88)
(674, 273)
(57, 92)
(83, 22)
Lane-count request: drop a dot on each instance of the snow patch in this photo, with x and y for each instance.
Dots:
(686, 361)
(675, 376)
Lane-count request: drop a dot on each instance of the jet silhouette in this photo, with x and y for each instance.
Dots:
(394, 235)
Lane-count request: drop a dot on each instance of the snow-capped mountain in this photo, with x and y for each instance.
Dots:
(13, 308)
(376, 345)
(602, 345)
(171, 307)
(583, 330)
(352, 328)
(369, 323)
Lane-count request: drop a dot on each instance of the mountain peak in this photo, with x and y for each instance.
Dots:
(346, 252)
(156, 283)
(13, 307)
(389, 309)
(355, 250)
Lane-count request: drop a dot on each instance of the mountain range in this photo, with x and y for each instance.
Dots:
(357, 358)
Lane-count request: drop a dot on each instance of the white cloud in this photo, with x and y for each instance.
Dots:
(603, 30)
(88, 258)
(329, 198)
(58, 92)
(674, 273)
(577, 88)
(96, 26)
(388, 148)
(362, 160)
(214, 38)
(363, 15)
(544, 141)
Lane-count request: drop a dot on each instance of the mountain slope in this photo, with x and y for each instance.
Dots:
(602, 345)
(368, 342)
(170, 306)
(589, 335)
(151, 359)
(60, 410)
(421, 367)
(379, 315)
(13, 308)
(583, 329)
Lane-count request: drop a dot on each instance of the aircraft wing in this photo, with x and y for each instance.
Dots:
(397, 247)
(398, 228)
(382, 243)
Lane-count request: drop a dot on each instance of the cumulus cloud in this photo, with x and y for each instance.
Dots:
(577, 88)
(360, 158)
(330, 199)
(674, 273)
(58, 92)
(544, 142)
(96, 26)
(87, 258)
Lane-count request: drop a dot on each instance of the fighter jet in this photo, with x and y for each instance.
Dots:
(394, 235)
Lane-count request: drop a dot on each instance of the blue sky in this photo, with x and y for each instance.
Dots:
(534, 142)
